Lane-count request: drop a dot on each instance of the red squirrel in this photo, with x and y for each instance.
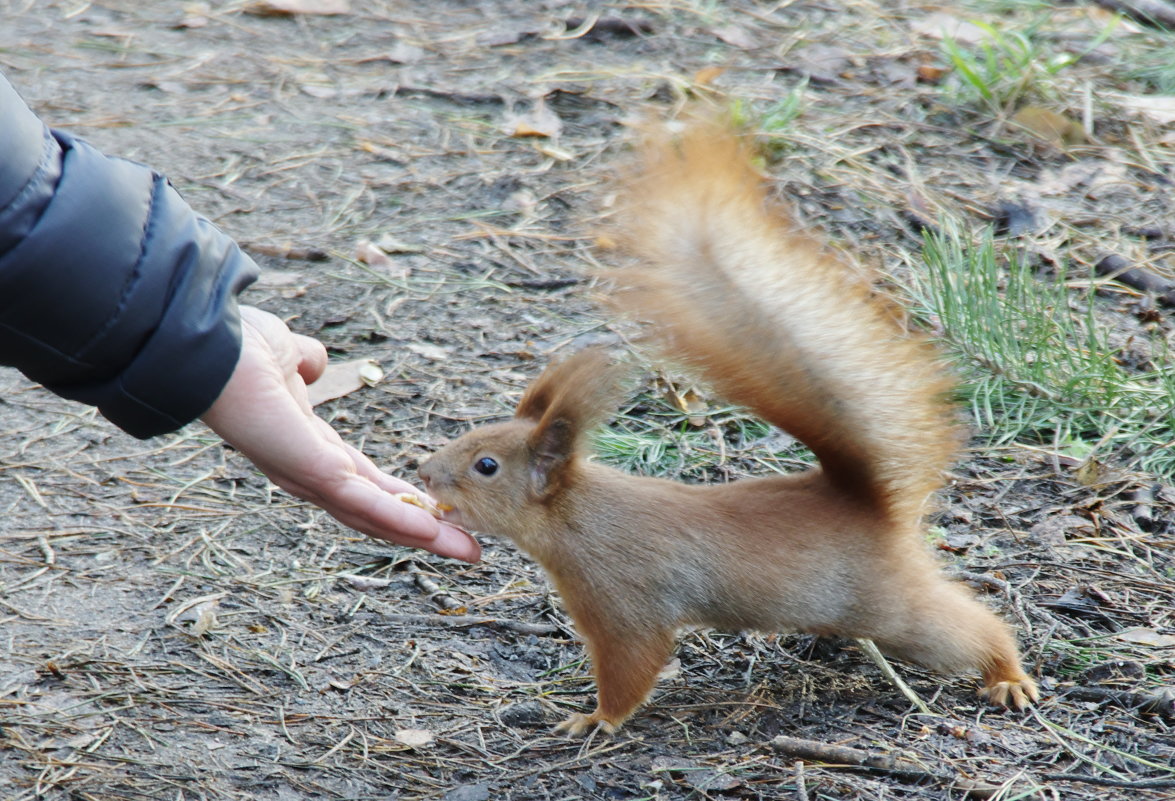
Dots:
(775, 323)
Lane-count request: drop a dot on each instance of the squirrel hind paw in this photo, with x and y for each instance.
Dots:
(579, 724)
(1017, 693)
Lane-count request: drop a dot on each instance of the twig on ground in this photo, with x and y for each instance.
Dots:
(882, 663)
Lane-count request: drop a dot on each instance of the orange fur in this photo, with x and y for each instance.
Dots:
(776, 324)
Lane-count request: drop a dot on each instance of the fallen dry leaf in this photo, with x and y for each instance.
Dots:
(365, 583)
(414, 738)
(390, 244)
(1054, 128)
(319, 91)
(201, 611)
(706, 75)
(290, 8)
(539, 121)
(941, 25)
(690, 403)
(343, 378)
(1157, 108)
(553, 152)
(421, 502)
(374, 255)
(821, 63)
(736, 36)
(287, 251)
(1145, 636)
(272, 279)
(1095, 177)
(931, 73)
(434, 353)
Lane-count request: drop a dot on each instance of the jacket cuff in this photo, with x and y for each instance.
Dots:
(120, 296)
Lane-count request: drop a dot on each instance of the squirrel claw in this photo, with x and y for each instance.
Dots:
(579, 724)
(1017, 693)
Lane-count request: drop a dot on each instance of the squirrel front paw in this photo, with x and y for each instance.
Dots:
(1017, 692)
(579, 724)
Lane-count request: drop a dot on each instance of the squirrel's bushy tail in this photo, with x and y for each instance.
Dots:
(778, 324)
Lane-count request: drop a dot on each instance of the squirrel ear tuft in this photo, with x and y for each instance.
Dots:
(584, 388)
(565, 402)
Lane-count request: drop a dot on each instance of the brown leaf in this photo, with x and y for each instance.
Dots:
(414, 738)
(434, 353)
(1094, 177)
(343, 378)
(1145, 636)
(373, 255)
(1054, 128)
(291, 8)
(287, 251)
(941, 25)
(1052, 530)
(736, 36)
(539, 121)
(706, 75)
(690, 403)
(931, 73)
(390, 244)
(821, 63)
(1159, 109)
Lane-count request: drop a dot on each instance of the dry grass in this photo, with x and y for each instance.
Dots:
(176, 628)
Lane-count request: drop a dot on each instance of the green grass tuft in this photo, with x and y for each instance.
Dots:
(656, 439)
(1009, 67)
(1037, 362)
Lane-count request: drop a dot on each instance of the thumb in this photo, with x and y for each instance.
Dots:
(312, 358)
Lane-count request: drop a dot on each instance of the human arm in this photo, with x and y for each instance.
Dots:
(115, 293)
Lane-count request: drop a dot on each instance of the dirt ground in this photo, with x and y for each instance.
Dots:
(173, 627)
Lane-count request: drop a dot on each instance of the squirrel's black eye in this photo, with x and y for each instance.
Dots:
(486, 466)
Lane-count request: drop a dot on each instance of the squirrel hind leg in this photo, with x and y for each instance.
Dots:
(1018, 692)
(947, 630)
(580, 724)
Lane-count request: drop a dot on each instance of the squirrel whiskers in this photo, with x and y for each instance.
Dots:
(776, 324)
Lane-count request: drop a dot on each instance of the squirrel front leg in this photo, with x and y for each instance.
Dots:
(625, 664)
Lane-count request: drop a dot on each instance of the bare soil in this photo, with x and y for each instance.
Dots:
(172, 626)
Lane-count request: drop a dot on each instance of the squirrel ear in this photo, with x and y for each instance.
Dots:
(582, 386)
(565, 402)
(540, 394)
(552, 446)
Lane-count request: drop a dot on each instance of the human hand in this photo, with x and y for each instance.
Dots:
(264, 413)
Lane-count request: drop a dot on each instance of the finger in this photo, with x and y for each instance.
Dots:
(456, 543)
(312, 361)
(366, 508)
(450, 541)
(369, 470)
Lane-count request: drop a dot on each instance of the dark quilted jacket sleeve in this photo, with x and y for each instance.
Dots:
(113, 292)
